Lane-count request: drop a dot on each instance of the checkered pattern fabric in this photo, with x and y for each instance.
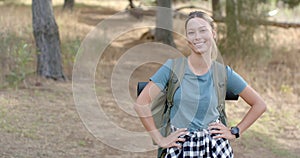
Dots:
(201, 144)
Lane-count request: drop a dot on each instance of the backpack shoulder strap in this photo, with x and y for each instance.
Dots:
(177, 73)
(220, 84)
(176, 76)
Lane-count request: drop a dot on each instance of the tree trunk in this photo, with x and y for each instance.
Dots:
(69, 4)
(47, 40)
(216, 7)
(164, 23)
(232, 24)
(131, 5)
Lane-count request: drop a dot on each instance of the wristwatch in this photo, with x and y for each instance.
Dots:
(235, 131)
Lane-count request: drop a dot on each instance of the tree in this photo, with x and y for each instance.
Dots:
(164, 23)
(69, 4)
(232, 23)
(131, 5)
(47, 40)
(216, 7)
(291, 3)
(243, 20)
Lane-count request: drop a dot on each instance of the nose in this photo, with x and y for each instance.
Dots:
(197, 35)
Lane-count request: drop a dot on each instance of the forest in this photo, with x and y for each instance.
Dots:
(69, 71)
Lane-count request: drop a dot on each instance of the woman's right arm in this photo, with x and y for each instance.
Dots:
(142, 107)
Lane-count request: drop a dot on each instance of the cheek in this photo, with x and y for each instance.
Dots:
(190, 37)
(210, 35)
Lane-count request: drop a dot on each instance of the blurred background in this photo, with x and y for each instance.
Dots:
(39, 41)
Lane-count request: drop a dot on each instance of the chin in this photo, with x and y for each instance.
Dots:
(201, 51)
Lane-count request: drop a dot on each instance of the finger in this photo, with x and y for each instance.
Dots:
(219, 136)
(214, 127)
(180, 139)
(218, 126)
(213, 123)
(176, 145)
(216, 132)
(181, 134)
(180, 131)
(221, 124)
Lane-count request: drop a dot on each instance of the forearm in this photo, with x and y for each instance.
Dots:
(147, 120)
(256, 110)
(258, 107)
(252, 115)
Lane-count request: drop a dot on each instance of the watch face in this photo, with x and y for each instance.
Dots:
(235, 131)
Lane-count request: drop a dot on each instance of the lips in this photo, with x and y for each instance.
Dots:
(199, 43)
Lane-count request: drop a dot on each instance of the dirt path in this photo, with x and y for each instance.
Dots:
(43, 122)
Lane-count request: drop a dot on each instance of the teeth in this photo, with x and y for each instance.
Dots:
(200, 43)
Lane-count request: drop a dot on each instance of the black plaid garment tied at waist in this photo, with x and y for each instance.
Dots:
(200, 144)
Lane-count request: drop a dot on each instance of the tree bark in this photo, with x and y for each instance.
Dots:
(216, 7)
(47, 40)
(131, 5)
(69, 4)
(232, 24)
(164, 23)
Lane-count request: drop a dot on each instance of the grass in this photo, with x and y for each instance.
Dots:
(267, 142)
(12, 122)
(40, 108)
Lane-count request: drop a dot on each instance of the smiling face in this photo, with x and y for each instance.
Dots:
(200, 33)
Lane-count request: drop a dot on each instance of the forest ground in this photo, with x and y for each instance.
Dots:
(39, 118)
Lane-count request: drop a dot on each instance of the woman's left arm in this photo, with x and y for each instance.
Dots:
(258, 107)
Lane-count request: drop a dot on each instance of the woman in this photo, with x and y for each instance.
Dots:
(196, 131)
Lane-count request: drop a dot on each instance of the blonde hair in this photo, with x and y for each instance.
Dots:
(202, 15)
(207, 18)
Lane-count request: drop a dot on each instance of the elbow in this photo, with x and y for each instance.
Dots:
(136, 106)
(263, 106)
(140, 104)
(142, 108)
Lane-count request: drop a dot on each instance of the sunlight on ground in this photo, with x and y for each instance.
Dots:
(34, 116)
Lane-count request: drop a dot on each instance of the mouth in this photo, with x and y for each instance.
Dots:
(199, 43)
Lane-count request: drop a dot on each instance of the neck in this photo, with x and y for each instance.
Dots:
(199, 63)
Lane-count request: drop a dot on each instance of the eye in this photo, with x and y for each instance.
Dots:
(202, 30)
(191, 32)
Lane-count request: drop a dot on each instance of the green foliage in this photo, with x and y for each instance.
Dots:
(69, 50)
(16, 58)
(243, 34)
(291, 3)
(21, 57)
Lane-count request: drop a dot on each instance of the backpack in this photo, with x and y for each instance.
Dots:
(163, 103)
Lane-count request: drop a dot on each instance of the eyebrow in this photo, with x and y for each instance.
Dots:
(197, 28)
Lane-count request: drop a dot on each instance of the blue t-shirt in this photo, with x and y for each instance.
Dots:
(195, 101)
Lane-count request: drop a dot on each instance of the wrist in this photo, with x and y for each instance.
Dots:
(156, 136)
(235, 131)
